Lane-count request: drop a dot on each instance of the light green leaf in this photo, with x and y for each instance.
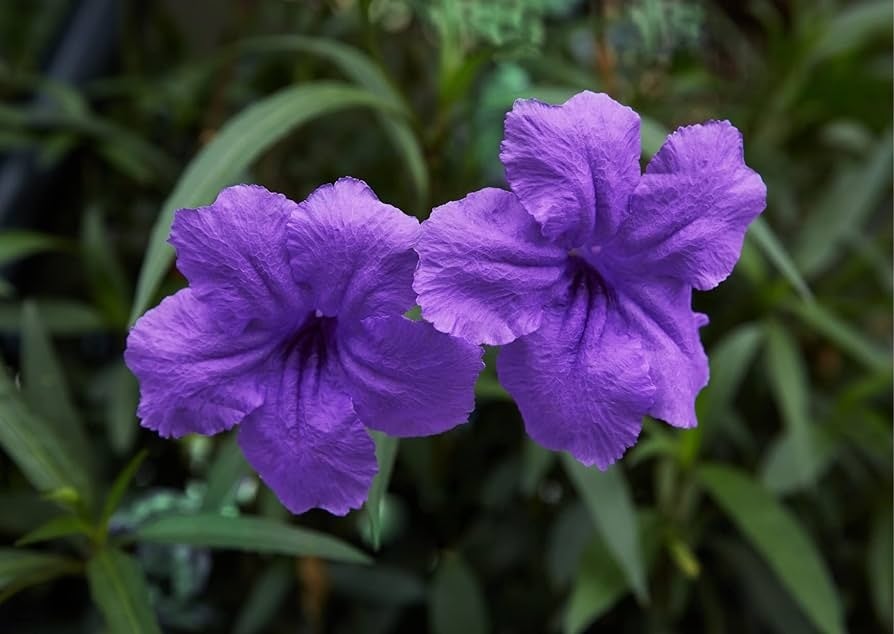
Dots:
(61, 526)
(779, 471)
(761, 233)
(252, 534)
(45, 389)
(879, 557)
(607, 497)
(118, 587)
(225, 474)
(60, 317)
(456, 603)
(243, 139)
(35, 447)
(730, 359)
(119, 487)
(386, 452)
(15, 245)
(653, 135)
(826, 323)
(781, 541)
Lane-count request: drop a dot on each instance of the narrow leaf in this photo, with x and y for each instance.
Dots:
(252, 534)
(772, 248)
(386, 452)
(118, 587)
(45, 389)
(599, 585)
(879, 557)
(61, 526)
(226, 472)
(16, 563)
(243, 139)
(15, 245)
(120, 395)
(607, 497)
(119, 487)
(779, 538)
(60, 317)
(104, 271)
(456, 600)
(266, 595)
(34, 446)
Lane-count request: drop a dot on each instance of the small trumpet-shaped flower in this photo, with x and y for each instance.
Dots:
(586, 268)
(292, 327)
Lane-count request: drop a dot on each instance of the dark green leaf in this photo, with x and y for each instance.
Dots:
(252, 534)
(20, 569)
(120, 394)
(536, 462)
(34, 446)
(772, 248)
(104, 272)
(780, 539)
(60, 317)
(19, 244)
(386, 452)
(456, 600)
(608, 500)
(226, 472)
(243, 139)
(266, 595)
(118, 587)
(61, 526)
(879, 557)
(119, 487)
(599, 585)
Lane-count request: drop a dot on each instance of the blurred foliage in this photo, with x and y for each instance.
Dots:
(774, 515)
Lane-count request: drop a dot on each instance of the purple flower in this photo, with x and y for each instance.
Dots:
(293, 328)
(586, 268)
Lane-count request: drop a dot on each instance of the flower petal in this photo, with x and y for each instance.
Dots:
(353, 252)
(689, 213)
(406, 378)
(306, 441)
(659, 313)
(195, 375)
(581, 381)
(485, 271)
(573, 166)
(233, 252)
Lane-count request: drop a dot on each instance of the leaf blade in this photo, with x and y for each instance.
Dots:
(118, 587)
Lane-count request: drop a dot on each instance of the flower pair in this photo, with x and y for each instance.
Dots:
(293, 323)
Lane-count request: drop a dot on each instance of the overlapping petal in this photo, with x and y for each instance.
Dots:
(233, 252)
(196, 376)
(658, 313)
(306, 442)
(405, 377)
(689, 213)
(573, 166)
(581, 381)
(485, 271)
(352, 252)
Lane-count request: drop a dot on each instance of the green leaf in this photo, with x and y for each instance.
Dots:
(599, 585)
(225, 474)
(60, 317)
(243, 139)
(105, 273)
(772, 248)
(363, 71)
(61, 526)
(844, 208)
(266, 595)
(730, 359)
(788, 381)
(386, 452)
(251, 534)
(607, 497)
(653, 136)
(118, 587)
(34, 446)
(536, 463)
(826, 323)
(879, 556)
(15, 245)
(456, 603)
(119, 487)
(17, 564)
(781, 541)
(120, 395)
(779, 471)
(45, 389)
(853, 27)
